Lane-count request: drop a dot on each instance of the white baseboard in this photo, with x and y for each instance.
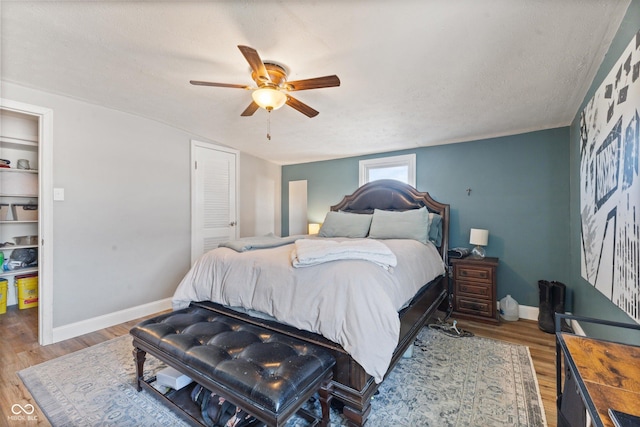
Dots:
(73, 330)
(527, 312)
(524, 311)
(531, 313)
(577, 329)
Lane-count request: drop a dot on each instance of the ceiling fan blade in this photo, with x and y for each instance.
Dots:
(302, 107)
(252, 108)
(252, 57)
(317, 83)
(199, 83)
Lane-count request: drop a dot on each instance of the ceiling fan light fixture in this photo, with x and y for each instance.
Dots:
(269, 98)
(272, 86)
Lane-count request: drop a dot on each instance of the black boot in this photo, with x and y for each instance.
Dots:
(558, 293)
(545, 313)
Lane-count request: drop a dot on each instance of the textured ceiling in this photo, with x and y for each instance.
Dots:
(413, 73)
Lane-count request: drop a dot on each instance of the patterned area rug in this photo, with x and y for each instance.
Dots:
(447, 382)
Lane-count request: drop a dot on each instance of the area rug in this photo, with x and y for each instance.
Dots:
(448, 381)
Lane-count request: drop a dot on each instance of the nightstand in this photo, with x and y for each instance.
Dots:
(474, 288)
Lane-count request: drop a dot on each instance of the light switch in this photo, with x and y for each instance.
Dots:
(58, 194)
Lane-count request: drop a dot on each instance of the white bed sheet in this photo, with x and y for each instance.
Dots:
(354, 303)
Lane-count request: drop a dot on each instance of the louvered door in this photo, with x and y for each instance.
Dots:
(213, 197)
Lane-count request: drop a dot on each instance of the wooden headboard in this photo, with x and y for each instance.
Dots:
(392, 195)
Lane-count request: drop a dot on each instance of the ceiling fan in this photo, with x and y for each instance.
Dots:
(272, 90)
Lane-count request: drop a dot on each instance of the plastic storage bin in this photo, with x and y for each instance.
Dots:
(27, 290)
(4, 285)
(26, 240)
(4, 212)
(25, 212)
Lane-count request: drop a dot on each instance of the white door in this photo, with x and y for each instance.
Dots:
(213, 197)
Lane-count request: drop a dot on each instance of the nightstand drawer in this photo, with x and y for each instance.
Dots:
(474, 289)
(474, 306)
(476, 273)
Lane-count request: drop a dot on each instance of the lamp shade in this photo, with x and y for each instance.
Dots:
(479, 237)
(314, 228)
(269, 98)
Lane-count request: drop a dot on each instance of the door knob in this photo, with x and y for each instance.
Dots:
(232, 223)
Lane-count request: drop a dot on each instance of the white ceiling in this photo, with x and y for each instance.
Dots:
(414, 72)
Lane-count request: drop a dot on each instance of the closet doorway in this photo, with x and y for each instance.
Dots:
(26, 135)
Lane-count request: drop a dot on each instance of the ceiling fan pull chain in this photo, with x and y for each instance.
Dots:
(269, 125)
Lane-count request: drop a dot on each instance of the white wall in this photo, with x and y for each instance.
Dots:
(298, 221)
(122, 234)
(260, 196)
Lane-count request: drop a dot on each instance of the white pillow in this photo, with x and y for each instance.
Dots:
(412, 224)
(343, 224)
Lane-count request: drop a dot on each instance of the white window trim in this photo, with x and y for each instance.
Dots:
(408, 160)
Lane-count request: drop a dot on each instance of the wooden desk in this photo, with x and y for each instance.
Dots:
(607, 375)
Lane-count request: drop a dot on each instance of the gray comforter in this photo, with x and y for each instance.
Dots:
(354, 303)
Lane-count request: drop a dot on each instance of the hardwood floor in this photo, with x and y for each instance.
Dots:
(20, 350)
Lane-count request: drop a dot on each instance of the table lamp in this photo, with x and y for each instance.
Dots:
(314, 228)
(479, 238)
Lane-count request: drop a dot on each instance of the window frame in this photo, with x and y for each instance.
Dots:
(408, 160)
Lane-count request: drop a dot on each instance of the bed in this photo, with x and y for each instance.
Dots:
(366, 311)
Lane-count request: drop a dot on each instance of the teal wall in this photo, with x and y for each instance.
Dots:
(589, 301)
(526, 193)
(519, 192)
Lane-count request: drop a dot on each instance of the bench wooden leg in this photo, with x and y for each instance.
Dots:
(325, 394)
(139, 357)
(356, 418)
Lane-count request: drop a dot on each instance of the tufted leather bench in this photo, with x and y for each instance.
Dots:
(267, 374)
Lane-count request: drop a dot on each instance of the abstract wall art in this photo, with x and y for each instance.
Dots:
(610, 186)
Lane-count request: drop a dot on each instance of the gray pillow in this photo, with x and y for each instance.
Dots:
(413, 224)
(435, 229)
(342, 224)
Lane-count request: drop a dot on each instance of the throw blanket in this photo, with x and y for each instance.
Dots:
(308, 252)
(260, 242)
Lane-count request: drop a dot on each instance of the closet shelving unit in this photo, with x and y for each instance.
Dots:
(18, 140)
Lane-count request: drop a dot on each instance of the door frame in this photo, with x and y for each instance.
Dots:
(45, 214)
(211, 146)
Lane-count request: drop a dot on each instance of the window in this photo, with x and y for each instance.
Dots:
(401, 168)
